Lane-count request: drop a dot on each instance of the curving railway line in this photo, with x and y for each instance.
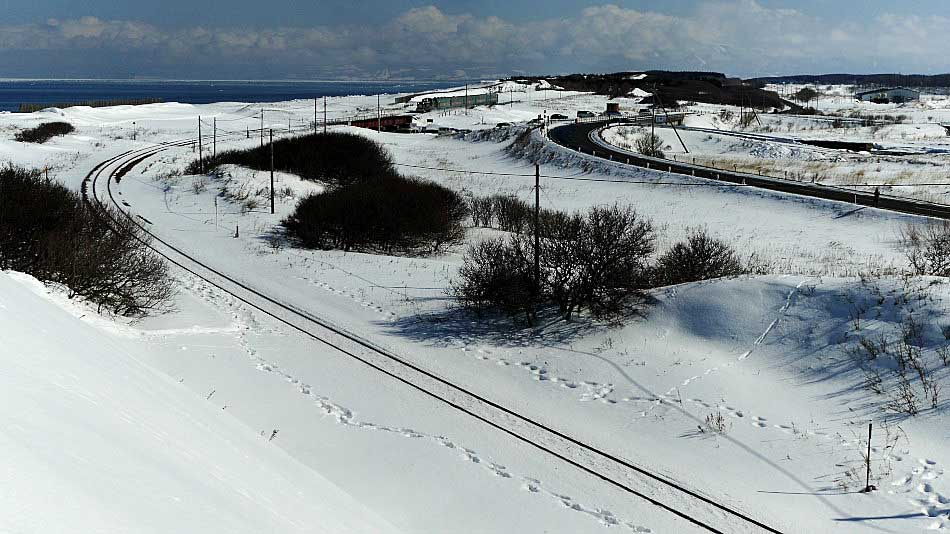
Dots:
(702, 511)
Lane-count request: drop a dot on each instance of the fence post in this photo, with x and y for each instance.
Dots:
(869, 488)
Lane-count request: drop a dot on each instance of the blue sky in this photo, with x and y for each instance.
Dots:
(250, 39)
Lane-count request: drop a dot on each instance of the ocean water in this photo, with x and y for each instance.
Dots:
(16, 92)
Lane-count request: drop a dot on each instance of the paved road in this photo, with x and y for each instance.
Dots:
(584, 137)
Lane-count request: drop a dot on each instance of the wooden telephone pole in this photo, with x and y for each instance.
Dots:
(537, 230)
(272, 171)
(201, 163)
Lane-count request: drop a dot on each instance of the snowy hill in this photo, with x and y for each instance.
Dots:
(96, 441)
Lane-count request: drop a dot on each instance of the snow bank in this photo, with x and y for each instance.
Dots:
(96, 441)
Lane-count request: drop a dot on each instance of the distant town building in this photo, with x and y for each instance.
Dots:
(888, 95)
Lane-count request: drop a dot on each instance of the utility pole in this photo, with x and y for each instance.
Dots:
(272, 171)
(262, 127)
(466, 99)
(324, 114)
(214, 142)
(314, 115)
(201, 163)
(537, 230)
(379, 116)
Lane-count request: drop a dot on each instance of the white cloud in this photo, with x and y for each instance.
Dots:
(736, 36)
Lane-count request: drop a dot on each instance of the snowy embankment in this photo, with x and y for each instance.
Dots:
(94, 440)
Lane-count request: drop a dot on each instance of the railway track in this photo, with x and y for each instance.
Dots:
(702, 511)
(584, 138)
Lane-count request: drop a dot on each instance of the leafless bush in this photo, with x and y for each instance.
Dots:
(199, 184)
(650, 145)
(511, 213)
(595, 261)
(700, 257)
(715, 423)
(47, 231)
(498, 274)
(928, 248)
(482, 210)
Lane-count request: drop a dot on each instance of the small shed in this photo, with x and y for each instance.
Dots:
(888, 95)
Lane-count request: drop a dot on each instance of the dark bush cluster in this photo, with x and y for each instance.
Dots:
(389, 213)
(597, 262)
(700, 257)
(44, 132)
(335, 158)
(47, 231)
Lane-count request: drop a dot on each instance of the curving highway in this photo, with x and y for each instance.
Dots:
(585, 138)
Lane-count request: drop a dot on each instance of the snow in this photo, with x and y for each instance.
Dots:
(472, 91)
(772, 354)
(95, 440)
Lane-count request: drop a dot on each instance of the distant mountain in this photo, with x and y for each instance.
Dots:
(891, 80)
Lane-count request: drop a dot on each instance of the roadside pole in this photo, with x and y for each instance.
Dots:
(868, 488)
(214, 143)
(314, 115)
(537, 230)
(201, 164)
(324, 114)
(272, 171)
(262, 127)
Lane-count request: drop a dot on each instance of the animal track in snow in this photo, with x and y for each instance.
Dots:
(345, 417)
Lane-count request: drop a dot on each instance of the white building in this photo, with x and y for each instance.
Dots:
(888, 95)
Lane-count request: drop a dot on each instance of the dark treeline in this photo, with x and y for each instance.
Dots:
(894, 80)
(32, 107)
(335, 158)
(47, 231)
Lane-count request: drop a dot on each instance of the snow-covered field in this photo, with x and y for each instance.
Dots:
(771, 361)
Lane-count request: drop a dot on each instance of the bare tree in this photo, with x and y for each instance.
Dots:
(650, 145)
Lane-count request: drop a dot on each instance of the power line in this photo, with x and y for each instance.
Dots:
(653, 182)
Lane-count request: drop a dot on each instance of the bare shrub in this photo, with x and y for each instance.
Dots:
(650, 145)
(47, 231)
(715, 423)
(498, 274)
(511, 213)
(927, 248)
(199, 184)
(700, 257)
(482, 210)
(595, 261)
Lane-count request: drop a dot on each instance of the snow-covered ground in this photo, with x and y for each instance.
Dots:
(97, 440)
(774, 356)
